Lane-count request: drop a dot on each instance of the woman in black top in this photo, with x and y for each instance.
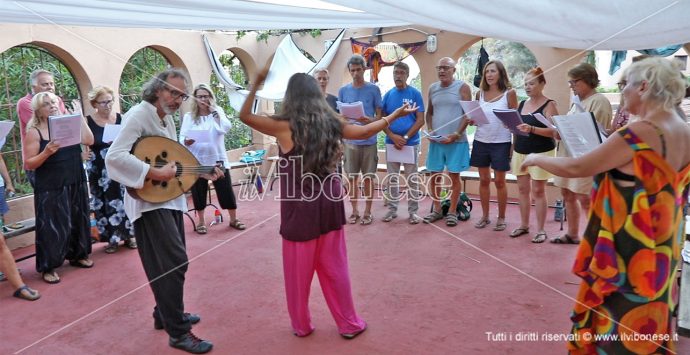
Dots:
(539, 141)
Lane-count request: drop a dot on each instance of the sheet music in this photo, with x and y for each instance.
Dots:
(110, 132)
(5, 128)
(474, 112)
(199, 135)
(353, 110)
(579, 133)
(435, 138)
(543, 120)
(65, 130)
(404, 155)
(511, 119)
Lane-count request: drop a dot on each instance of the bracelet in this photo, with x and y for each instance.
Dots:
(531, 130)
(387, 123)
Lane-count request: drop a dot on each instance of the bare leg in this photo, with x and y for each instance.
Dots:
(539, 194)
(435, 191)
(501, 192)
(8, 266)
(484, 190)
(572, 208)
(354, 194)
(524, 198)
(201, 217)
(369, 193)
(455, 189)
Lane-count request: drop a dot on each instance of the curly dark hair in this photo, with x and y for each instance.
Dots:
(317, 130)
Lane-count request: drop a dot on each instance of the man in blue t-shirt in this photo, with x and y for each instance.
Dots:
(403, 132)
(361, 154)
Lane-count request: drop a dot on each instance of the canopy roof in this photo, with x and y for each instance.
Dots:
(584, 24)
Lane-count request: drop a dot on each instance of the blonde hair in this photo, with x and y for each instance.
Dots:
(195, 105)
(664, 83)
(36, 104)
(98, 91)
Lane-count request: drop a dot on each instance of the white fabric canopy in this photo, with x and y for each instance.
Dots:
(584, 24)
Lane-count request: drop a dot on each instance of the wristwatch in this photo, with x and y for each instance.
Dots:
(406, 137)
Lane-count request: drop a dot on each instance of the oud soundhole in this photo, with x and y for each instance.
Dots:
(164, 154)
(164, 184)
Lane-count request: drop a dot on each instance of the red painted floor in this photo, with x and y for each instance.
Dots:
(424, 289)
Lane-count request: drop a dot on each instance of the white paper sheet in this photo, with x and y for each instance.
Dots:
(404, 155)
(543, 120)
(353, 110)
(474, 112)
(435, 137)
(65, 130)
(5, 128)
(110, 132)
(199, 135)
(579, 133)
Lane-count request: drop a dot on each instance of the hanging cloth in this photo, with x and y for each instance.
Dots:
(373, 58)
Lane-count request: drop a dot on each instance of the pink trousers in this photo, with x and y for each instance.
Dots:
(327, 256)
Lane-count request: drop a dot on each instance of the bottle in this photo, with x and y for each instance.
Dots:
(558, 214)
(217, 217)
(94, 229)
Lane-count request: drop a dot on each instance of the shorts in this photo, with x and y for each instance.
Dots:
(454, 156)
(360, 158)
(535, 172)
(495, 155)
(4, 208)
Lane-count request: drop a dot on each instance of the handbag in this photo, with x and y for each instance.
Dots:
(253, 156)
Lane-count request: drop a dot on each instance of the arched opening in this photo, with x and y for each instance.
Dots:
(240, 135)
(140, 67)
(16, 65)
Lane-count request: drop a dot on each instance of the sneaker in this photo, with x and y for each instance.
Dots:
(191, 344)
(191, 317)
(391, 215)
(350, 336)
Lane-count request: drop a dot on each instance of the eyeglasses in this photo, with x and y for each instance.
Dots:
(443, 67)
(573, 82)
(622, 84)
(105, 103)
(176, 94)
(203, 97)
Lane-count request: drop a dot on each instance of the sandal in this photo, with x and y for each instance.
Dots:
(353, 219)
(367, 219)
(565, 239)
(111, 248)
(82, 263)
(26, 293)
(519, 231)
(237, 225)
(390, 216)
(414, 219)
(500, 224)
(451, 220)
(201, 229)
(131, 243)
(482, 223)
(51, 277)
(539, 238)
(432, 217)
(16, 225)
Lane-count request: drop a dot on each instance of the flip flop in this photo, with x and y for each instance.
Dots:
(367, 219)
(237, 225)
(482, 223)
(201, 229)
(353, 219)
(539, 238)
(29, 295)
(82, 263)
(519, 231)
(500, 224)
(52, 277)
(565, 239)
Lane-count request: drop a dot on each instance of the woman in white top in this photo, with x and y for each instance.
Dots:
(210, 119)
(492, 142)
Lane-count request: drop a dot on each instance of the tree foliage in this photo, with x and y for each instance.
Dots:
(240, 135)
(16, 65)
(142, 66)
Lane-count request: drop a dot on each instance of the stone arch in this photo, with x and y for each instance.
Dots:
(247, 61)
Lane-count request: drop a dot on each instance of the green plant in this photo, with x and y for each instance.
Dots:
(240, 135)
(141, 67)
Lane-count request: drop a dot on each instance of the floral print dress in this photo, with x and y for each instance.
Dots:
(106, 194)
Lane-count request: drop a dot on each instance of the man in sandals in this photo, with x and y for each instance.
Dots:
(445, 118)
(361, 155)
(403, 133)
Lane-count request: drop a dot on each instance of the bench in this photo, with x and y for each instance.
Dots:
(28, 225)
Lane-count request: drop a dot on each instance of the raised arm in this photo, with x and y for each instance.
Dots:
(363, 132)
(264, 124)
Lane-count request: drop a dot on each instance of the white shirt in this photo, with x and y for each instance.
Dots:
(140, 121)
(494, 131)
(208, 153)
